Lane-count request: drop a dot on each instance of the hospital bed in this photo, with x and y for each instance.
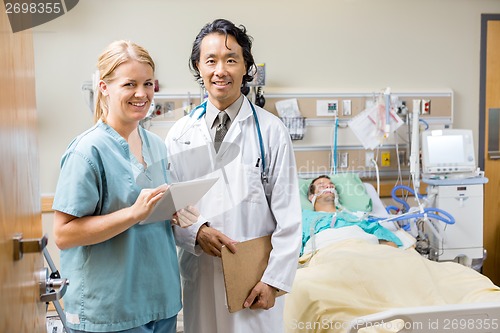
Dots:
(353, 285)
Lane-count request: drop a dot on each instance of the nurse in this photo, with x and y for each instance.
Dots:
(256, 193)
(123, 276)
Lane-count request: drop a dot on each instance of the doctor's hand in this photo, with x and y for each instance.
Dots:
(186, 216)
(146, 201)
(262, 296)
(211, 241)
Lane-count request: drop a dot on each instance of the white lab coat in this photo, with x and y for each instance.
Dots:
(237, 206)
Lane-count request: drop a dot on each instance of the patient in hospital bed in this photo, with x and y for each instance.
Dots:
(348, 274)
(324, 201)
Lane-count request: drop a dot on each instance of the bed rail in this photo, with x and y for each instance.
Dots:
(473, 317)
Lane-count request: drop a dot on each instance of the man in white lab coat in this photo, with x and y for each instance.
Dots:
(256, 193)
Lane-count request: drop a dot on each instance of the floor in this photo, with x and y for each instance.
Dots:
(53, 323)
(180, 323)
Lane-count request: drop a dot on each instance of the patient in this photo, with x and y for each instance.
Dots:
(352, 277)
(323, 196)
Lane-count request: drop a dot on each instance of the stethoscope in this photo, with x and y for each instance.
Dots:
(262, 161)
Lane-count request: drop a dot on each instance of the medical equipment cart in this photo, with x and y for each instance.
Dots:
(463, 199)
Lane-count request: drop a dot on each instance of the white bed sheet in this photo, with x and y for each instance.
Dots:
(331, 236)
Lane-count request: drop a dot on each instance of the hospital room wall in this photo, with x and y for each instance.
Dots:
(321, 47)
(316, 46)
(326, 46)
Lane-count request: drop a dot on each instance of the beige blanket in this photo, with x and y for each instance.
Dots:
(354, 278)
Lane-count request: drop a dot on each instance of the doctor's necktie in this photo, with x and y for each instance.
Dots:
(221, 129)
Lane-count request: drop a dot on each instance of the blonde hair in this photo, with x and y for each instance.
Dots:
(115, 54)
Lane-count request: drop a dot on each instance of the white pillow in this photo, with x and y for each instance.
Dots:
(378, 207)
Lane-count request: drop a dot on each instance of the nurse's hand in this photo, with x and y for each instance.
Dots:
(262, 296)
(146, 201)
(186, 216)
(211, 241)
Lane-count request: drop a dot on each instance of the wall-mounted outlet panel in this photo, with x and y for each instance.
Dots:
(327, 107)
(426, 106)
(346, 107)
(344, 160)
(386, 159)
(369, 156)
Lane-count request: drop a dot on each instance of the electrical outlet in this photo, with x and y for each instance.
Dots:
(346, 107)
(344, 160)
(369, 156)
(386, 159)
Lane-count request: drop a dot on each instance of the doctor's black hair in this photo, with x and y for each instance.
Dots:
(224, 27)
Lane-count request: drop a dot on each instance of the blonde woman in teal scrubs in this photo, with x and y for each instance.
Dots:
(124, 276)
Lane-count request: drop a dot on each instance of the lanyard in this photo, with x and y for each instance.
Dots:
(263, 173)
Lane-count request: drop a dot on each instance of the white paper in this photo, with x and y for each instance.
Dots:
(178, 196)
(288, 108)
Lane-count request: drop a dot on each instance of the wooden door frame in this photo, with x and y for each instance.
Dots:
(21, 310)
(485, 18)
(489, 98)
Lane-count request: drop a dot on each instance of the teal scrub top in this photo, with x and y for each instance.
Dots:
(314, 222)
(132, 278)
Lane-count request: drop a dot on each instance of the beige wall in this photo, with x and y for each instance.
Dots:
(308, 46)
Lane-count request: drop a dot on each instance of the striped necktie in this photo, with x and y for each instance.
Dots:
(221, 130)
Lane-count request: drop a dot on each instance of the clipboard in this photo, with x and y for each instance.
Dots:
(243, 269)
(178, 196)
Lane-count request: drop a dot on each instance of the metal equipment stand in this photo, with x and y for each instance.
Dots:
(54, 281)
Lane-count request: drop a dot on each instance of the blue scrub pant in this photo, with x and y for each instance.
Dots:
(161, 326)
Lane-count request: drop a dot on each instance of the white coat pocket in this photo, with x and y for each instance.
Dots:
(255, 188)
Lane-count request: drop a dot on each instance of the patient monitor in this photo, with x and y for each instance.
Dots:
(447, 151)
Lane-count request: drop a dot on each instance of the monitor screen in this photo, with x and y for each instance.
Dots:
(447, 151)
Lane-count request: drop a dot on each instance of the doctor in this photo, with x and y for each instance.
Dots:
(256, 193)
